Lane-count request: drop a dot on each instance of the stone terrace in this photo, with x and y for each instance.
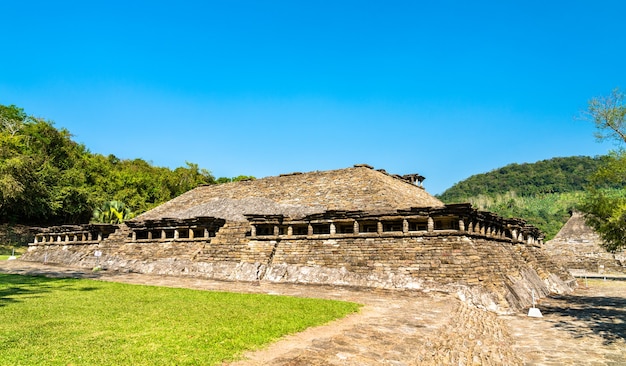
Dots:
(352, 227)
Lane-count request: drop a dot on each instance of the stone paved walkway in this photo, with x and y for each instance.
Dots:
(416, 328)
(584, 328)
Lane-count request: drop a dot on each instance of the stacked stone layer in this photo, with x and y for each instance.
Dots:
(251, 231)
(493, 274)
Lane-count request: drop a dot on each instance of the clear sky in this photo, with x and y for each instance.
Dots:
(446, 89)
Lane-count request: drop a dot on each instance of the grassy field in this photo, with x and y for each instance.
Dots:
(84, 322)
(4, 257)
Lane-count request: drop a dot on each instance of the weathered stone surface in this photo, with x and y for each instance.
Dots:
(577, 247)
(365, 236)
(358, 188)
(495, 275)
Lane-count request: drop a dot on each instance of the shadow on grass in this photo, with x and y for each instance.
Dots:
(88, 289)
(16, 288)
(603, 316)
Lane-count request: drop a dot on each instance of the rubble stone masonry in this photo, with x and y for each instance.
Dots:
(488, 270)
(349, 227)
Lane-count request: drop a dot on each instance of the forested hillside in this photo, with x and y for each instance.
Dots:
(47, 178)
(543, 193)
(557, 175)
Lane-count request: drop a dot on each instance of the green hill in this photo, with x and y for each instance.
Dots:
(542, 193)
(557, 175)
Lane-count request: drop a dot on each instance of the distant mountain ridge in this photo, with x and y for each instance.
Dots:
(556, 175)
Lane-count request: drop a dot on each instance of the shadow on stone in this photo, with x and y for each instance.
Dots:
(603, 316)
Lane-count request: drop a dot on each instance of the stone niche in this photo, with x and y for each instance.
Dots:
(490, 261)
(458, 218)
(74, 234)
(167, 229)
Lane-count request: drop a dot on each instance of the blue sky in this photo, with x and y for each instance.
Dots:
(446, 89)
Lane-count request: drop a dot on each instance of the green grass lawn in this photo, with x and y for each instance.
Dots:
(6, 257)
(46, 321)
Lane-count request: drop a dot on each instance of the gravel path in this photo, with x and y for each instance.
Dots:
(416, 328)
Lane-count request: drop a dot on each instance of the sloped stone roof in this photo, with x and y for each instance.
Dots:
(576, 232)
(297, 195)
(578, 247)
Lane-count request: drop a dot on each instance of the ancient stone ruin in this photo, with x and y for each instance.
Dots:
(578, 248)
(350, 227)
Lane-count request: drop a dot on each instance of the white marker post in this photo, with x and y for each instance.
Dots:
(97, 254)
(534, 312)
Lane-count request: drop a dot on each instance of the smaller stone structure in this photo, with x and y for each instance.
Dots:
(577, 247)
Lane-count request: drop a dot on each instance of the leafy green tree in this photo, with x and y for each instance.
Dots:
(240, 178)
(608, 113)
(12, 165)
(11, 119)
(113, 212)
(34, 162)
(605, 211)
(46, 178)
(604, 207)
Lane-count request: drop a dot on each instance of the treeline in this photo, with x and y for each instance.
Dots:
(543, 193)
(47, 178)
(557, 175)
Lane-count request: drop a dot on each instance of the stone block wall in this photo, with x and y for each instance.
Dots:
(496, 274)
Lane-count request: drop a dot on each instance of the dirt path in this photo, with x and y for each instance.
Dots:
(415, 328)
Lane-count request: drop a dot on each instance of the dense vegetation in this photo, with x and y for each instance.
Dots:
(47, 178)
(557, 175)
(543, 193)
(49, 321)
(605, 208)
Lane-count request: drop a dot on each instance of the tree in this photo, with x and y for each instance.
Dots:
(604, 208)
(46, 178)
(11, 119)
(605, 211)
(239, 178)
(608, 114)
